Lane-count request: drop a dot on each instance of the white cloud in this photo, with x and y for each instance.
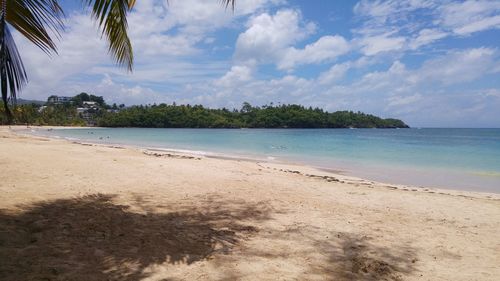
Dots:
(403, 100)
(395, 25)
(373, 45)
(492, 93)
(118, 93)
(479, 25)
(334, 74)
(167, 71)
(470, 16)
(268, 35)
(454, 68)
(270, 39)
(426, 36)
(325, 49)
(379, 14)
(383, 10)
(237, 75)
(293, 85)
(79, 50)
(458, 67)
(153, 22)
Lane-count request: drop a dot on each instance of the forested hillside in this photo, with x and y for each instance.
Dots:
(283, 116)
(190, 116)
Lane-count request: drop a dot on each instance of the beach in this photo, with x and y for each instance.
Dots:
(82, 211)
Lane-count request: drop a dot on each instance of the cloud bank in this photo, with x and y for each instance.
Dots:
(431, 63)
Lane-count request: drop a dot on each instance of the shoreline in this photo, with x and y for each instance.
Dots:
(367, 174)
(302, 168)
(79, 211)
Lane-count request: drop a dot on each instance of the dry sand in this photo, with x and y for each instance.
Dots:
(86, 212)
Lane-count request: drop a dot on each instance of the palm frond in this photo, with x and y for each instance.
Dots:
(12, 73)
(112, 18)
(227, 3)
(35, 19)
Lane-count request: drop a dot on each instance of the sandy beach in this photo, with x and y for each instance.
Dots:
(73, 211)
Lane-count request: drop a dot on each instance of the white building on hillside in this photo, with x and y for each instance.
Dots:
(59, 99)
(89, 103)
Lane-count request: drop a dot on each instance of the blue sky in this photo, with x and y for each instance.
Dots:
(431, 63)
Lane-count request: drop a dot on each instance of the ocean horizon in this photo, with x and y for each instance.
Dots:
(454, 158)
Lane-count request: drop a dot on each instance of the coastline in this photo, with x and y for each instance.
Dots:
(229, 219)
(377, 174)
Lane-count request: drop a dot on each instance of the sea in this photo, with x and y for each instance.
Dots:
(465, 159)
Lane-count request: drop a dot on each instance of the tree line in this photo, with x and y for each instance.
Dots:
(31, 114)
(268, 116)
(194, 116)
(55, 114)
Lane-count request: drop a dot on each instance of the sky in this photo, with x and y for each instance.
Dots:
(431, 63)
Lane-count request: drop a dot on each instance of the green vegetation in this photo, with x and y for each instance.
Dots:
(284, 116)
(84, 109)
(72, 111)
(33, 114)
(80, 98)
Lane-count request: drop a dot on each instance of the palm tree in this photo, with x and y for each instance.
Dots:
(38, 19)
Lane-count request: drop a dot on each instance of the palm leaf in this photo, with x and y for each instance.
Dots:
(12, 73)
(226, 3)
(35, 19)
(112, 18)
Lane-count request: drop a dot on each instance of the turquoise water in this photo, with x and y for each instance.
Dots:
(449, 158)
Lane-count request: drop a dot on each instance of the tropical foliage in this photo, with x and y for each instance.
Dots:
(80, 98)
(33, 114)
(192, 116)
(283, 116)
(59, 113)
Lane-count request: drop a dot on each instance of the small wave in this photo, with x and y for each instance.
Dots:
(487, 174)
(186, 151)
(280, 147)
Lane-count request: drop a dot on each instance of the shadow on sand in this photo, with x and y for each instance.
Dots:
(337, 256)
(352, 257)
(92, 238)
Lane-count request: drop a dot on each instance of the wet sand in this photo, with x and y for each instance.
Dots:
(71, 211)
